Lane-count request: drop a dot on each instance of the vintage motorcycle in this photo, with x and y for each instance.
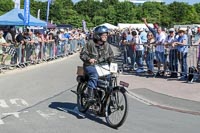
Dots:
(110, 98)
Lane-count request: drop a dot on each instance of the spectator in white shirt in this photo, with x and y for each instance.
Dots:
(159, 51)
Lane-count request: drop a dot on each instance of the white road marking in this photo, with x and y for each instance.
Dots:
(1, 122)
(46, 115)
(3, 104)
(138, 98)
(19, 102)
(16, 114)
(61, 116)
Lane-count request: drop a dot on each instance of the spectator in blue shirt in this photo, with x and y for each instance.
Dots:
(182, 46)
(143, 35)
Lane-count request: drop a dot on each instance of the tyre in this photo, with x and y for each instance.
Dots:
(116, 108)
(82, 97)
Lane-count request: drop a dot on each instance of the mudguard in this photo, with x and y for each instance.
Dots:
(121, 88)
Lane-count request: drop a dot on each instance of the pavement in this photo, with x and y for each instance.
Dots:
(166, 93)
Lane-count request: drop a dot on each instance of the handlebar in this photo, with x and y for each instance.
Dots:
(103, 60)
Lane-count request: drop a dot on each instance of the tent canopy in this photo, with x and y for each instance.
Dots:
(109, 26)
(14, 17)
(126, 25)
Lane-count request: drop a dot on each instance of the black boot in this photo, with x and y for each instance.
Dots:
(91, 95)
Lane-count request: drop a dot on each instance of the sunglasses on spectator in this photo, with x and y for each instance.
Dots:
(149, 35)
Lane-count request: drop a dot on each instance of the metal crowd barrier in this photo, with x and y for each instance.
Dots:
(25, 54)
(175, 63)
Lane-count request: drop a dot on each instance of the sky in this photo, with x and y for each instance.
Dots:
(187, 1)
(166, 1)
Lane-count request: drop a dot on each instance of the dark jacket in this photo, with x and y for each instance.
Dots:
(103, 53)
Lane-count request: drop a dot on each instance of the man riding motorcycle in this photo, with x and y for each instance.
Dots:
(96, 50)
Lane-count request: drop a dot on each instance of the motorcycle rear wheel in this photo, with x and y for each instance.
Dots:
(82, 97)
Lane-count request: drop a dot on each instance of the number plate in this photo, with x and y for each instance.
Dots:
(122, 83)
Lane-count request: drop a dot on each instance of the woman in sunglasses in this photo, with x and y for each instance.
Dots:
(150, 52)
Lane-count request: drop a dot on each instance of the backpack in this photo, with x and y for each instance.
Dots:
(193, 74)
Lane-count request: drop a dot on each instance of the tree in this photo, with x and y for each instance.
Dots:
(87, 7)
(197, 9)
(124, 12)
(152, 10)
(182, 13)
(107, 3)
(61, 10)
(97, 20)
(5, 6)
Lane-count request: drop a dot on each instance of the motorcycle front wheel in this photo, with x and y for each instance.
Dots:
(116, 108)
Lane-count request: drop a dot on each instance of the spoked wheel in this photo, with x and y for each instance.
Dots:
(82, 97)
(116, 109)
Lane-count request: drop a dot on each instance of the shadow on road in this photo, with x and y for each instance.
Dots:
(72, 109)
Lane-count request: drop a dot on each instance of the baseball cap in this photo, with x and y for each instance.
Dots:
(62, 30)
(171, 30)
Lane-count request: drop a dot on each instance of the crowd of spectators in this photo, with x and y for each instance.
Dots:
(152, 50)
(34, 47)
(162, 52)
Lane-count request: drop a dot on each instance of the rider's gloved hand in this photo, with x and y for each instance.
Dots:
(101, 60)
(92, 61)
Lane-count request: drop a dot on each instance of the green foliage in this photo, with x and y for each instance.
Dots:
(5, 6)
(111, 11)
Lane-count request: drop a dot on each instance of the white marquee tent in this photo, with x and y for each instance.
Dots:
(125, 25)
(109, 26)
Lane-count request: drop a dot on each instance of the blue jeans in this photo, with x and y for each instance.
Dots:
(29, 52)
(160, 57)
(19, 53)
(173, 60)
(132, 55)
(182, 57)
(149, 61)
(45, 49)
(75, 45)
(93, 76)
(125, 55)
(58, 53)
(139, 58)
(71, 45)
(63, 48)
(50, 50)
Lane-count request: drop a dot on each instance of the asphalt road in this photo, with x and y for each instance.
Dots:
(38, 99)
